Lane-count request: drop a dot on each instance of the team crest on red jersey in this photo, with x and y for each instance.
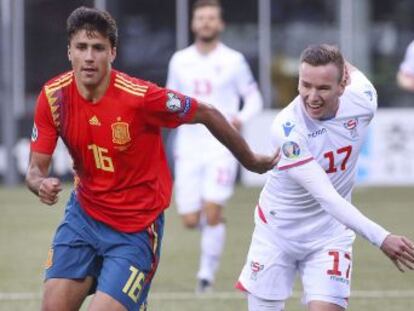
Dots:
(120, 132)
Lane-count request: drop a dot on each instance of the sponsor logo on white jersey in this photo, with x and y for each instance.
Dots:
(317, 133)
(287, 128)
(256, 267)
(352, 126)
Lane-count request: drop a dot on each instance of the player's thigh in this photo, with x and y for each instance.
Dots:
(324, 306)
(269, 272)
(129, 266)
(72, 254)
(65, 294)
(258, 304)
(218, 183)
(102, 301)
(326, 273)
(187, 185)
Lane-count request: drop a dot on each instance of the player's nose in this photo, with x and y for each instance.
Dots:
(89, 54)
(313, 95)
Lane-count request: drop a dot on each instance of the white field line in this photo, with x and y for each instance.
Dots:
(362, 294)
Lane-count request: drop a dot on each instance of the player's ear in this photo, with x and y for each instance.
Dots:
(342, 86)
(69, 55)
(113, 54)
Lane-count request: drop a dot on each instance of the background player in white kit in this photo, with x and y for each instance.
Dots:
(405, 75)
(205, 171)
(304, 217)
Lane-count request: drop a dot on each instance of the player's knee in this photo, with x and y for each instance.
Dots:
(214, 220)
(258, 304)
(190, 222)
(50, 304)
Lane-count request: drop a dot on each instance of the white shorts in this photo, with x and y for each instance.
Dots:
(209, 179)
(324, 266)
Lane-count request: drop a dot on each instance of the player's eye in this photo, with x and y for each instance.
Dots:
(99, 47)
(81, 46)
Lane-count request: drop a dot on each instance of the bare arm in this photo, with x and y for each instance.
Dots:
(405, 81)
(230, 137)
(37, 180)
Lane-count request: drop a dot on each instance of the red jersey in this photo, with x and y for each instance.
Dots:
(116, 145)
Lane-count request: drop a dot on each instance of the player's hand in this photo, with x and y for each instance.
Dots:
(49, 190)
(400, 250)
(263, 163)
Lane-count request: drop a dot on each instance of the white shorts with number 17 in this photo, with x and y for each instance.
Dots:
(324, 266)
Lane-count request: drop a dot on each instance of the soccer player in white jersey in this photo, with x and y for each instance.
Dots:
(205, 171)
(305, 221)
(405, 75)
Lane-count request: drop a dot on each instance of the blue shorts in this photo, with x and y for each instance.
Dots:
(122, 264)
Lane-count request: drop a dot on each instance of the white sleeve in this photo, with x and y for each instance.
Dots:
(249, 91)
(253, 104)
(312, 177)
(172, 76)
(407, 65)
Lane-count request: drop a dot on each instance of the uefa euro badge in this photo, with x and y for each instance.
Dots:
(120, 132)
(291, 150)
(35, 133)
(173, 103)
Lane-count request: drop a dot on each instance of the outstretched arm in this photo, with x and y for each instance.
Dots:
(312, 177)
(230, 137)
(37, 180)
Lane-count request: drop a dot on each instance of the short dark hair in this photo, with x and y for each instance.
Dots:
(204, 3)
(91, 20)
(323, 54)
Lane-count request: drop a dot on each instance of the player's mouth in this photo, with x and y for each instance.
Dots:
(89, 71)
(314, 106)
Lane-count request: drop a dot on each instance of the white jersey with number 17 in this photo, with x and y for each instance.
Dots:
(220, 78)
(286, 203)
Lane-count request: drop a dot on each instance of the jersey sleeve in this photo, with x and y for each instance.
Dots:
(244, 78)
(407, 65)
(249, 91)
(314, 179)
(172, 77)
(44, 133)
(293, 145)
(167, 108)
(362, 92)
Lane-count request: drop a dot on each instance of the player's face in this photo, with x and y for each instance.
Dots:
(91, 56)
(207, 23)
(320, 89)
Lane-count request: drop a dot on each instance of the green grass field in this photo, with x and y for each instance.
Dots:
(26, 229)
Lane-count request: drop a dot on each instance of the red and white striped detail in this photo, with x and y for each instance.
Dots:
(299, 163)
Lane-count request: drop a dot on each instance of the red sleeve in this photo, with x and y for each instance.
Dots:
(167, 108)
(44, 134)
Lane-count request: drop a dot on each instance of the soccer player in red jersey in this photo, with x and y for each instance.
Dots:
(110, 237)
